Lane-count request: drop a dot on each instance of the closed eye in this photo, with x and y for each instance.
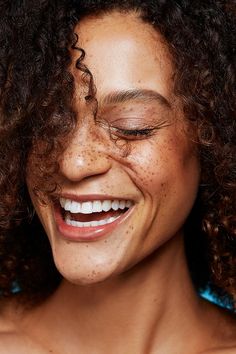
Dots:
(131, 128)
(132, 134)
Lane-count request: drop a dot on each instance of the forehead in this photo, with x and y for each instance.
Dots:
(124, 53)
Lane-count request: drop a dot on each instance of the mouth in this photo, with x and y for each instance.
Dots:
(90, 219)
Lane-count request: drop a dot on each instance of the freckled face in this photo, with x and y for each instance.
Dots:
(145, 156)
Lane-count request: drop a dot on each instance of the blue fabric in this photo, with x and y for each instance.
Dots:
(208, 295)
(15, 288)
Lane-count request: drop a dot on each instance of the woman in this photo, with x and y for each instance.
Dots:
(118, 129)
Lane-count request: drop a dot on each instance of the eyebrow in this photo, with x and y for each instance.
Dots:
(134, 95)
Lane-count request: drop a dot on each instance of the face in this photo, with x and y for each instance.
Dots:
(128, 177)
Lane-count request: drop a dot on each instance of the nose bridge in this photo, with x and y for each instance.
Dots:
(86, 154)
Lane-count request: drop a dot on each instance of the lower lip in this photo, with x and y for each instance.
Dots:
(86, 234)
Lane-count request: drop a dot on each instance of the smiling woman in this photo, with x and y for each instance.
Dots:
(119, 132)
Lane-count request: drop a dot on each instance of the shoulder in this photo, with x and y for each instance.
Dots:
(10, 343)
(221, 338)
(15, 341)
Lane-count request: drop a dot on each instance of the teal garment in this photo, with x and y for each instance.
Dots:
(208, 295)
(15, 288)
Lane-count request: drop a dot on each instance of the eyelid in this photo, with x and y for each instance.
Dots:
(130, 123)
(134, 132)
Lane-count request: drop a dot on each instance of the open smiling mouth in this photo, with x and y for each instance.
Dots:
(92, 213)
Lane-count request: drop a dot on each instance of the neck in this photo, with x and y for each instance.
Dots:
(141, 306)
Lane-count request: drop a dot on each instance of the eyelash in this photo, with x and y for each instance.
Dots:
(133, 134)
(127, 134)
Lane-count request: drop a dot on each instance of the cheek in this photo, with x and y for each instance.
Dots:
(167, 165)
(43, 210)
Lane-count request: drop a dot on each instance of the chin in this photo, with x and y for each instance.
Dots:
(87, 278)
(85, 274)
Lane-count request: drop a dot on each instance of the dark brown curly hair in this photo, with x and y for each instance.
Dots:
(36, 91)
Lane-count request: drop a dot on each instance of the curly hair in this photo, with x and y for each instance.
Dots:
(36, 89)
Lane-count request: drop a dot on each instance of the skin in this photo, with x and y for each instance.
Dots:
(130, 289)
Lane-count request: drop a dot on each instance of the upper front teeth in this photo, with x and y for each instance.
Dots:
(95, 206)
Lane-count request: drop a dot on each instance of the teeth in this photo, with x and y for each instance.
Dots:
(128, 204)
(86, 208)
(95, 206)
(67, 204)
(115, 205)
(75, 207)
(122, 204)
(70, 222)
(106, 205)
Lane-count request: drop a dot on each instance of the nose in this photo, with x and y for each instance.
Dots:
(85, 156)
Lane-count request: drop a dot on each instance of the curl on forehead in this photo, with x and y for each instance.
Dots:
(117, 66)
